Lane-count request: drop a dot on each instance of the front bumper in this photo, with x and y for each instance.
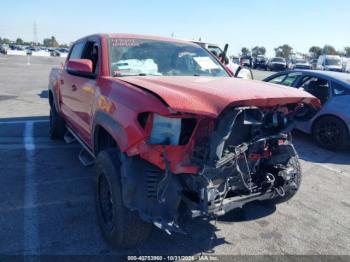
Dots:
(302, 67)
(334, 69)
(277, 67)
(226, 205)
(260, 64)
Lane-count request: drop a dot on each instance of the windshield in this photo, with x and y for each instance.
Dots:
(130, 57)
(277, 59)
(333, 61)
(300, 61)
(215, 50)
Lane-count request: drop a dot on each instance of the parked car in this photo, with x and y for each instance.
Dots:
(235, 60)
(331, 125)
(37, 51)
(277, 64)
(223, 57)
(4, 48)
(329, 63)
(347, 67)
(31, 49)
(16, 50)
(246, 61)
(313, 63)
(299, 63)
(61, 52)
(166, 124)
(260, 62)
(345, 63)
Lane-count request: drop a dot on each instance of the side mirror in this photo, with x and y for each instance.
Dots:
(244, 72)
(80, 67)
(224, 59)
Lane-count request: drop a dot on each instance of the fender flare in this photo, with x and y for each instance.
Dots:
(113, 127)
(53, 93)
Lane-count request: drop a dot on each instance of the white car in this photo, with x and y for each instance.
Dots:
(61, 52)
(16, 50)
(4, 48)
(300, 63)
(277, 64)
(329, 63)
(346, 64)
(37, 51)
(40, 53)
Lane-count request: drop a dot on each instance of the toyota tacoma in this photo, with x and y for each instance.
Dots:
(166, 124)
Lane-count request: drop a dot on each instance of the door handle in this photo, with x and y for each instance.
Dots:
(74, 87)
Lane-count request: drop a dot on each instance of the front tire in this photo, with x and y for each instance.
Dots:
(331, 133)
(121, 227)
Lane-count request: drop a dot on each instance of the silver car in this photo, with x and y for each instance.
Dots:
(330, 126)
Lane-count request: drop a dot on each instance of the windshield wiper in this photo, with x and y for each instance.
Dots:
(140, 74)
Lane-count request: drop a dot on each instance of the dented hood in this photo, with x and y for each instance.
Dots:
(210, 95)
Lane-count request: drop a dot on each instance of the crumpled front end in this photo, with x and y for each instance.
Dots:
(246, 159)
(243, 155)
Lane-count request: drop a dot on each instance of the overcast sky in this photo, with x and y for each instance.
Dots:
(268, 23)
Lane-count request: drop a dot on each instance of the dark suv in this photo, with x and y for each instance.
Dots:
(260, 62)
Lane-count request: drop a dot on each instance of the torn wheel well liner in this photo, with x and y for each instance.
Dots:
(143, 190)
(103, 140)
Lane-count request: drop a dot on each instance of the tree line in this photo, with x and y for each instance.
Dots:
(47, 42)
(286, 51)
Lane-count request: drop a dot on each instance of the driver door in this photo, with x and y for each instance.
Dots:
(79, 91)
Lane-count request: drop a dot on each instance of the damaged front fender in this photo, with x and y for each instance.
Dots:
(154, 193)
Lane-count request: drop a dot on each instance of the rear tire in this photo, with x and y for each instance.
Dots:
(121, 227)
(331, 133)
(289, 189)
(57, 125)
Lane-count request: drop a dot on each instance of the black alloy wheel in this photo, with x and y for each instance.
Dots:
(331, 133)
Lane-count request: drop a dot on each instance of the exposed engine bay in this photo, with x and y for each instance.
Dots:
(247, 155)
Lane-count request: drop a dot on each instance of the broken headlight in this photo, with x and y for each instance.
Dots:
(171, 130)
(165, 130)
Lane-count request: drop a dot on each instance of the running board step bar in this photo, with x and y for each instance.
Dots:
(85, 158)
(69, 138)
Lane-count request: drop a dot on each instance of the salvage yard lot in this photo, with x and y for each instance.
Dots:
(47, 203)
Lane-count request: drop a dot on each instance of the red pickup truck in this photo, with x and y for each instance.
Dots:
(165, 123)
